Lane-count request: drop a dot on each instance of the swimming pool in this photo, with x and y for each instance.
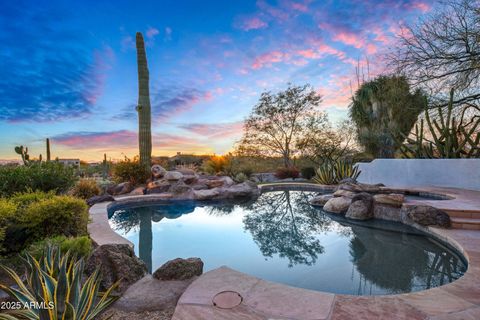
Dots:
(280, 237)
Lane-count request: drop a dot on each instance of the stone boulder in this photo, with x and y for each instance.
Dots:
(138, 191)
(173, 176)
(214, 183)
(427, 216)
(241, 190)
(186, 171)
(337, 205)
(158, 186)
(207, 194)
(179, 187)
(360, 187)
(97, 199)
(344, 193)
(116, 262)
(158, 171)
(320, 200)
(150, 295)
(348, 180)
(179, 269)
(392, 199)
(386, 212)
(361, 207)
(190, 178)
(121, 188)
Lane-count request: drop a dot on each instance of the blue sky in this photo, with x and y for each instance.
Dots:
(68, 69)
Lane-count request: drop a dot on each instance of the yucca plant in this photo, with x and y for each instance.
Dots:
(54, 286)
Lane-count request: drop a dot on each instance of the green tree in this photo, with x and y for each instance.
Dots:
(279, 121)
(384, 111)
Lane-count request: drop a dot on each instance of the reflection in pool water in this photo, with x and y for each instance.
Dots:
(280, 237)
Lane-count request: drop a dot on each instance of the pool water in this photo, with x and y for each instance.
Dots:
(280, 237)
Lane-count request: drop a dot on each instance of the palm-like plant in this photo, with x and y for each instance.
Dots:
(54, 283)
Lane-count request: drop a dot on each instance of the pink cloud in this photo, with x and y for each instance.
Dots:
(422, 6)
(272, 11)
(348, 38)
(299, 6)
(101, 64)
(252, 24)
(309, 53)
(267, 59)
(122, 139)
(217, 130)
(371, 48)
(151, 32)
(97, 139)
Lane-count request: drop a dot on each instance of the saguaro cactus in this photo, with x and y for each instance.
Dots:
(143, 107)
(105, 166)
(48, 149)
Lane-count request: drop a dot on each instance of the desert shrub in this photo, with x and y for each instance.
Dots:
(24, 199)
(85, 189)
(59, 215)
(131, 171)
(308, 172)
(7, 213)
(284, 173)
(240, 177)
(217, 165)
(43, 176)
(77, 246)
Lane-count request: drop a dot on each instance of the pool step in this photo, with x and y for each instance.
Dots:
(465, 223)
(463, 214)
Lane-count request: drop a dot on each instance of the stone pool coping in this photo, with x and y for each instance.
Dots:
(264, 300)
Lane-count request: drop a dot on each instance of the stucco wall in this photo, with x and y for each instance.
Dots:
(457, 173)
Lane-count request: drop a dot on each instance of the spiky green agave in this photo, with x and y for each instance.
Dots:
(55, 282)
(334, 172)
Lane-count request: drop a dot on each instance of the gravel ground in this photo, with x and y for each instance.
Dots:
(150, 315)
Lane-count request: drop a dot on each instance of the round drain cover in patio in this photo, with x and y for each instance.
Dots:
(227, 299)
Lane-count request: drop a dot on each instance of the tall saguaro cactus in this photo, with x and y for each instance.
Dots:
(48, 149)
(143, 107)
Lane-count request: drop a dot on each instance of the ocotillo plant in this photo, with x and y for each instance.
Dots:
(48, 149)
(23, 152)
(143, 107)
(450, 138)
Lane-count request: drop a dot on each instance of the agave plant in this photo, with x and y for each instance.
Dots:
(54, 289)
(345, 169)
(334, 172)
(325, 174)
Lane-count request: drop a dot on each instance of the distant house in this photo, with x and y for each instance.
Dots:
(70, 162)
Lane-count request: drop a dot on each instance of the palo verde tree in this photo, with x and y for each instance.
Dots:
(442, 51)
(143, 107)
(279, 121)
(384, 110)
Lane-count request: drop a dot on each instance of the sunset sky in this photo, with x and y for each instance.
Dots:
(68, 68)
